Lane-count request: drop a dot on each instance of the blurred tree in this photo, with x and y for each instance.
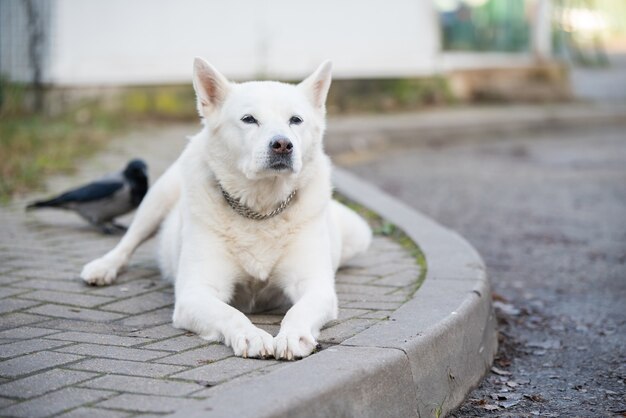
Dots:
(35, 51)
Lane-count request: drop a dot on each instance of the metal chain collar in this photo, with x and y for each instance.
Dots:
(246, 212)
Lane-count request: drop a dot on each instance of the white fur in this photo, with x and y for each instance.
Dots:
(222, 263)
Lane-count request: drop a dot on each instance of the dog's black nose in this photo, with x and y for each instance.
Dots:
(281, 145)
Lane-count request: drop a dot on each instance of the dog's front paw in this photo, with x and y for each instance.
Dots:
(291, 345)
(253, 342)
(100, 272)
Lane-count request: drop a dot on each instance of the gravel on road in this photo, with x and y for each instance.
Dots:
(548, 214)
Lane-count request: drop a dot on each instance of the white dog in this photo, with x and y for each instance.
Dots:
(247, 217)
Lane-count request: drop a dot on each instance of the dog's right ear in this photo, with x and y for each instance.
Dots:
(211, 86)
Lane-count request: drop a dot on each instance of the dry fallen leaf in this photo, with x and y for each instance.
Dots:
(500, 372)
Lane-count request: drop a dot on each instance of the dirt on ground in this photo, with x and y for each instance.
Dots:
(548, 214)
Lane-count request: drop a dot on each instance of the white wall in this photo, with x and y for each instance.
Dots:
(98, 42)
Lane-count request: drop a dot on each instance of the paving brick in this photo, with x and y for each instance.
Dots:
(110, 328)
(18, 319)
(25, 332)
(11, 305)
(146, 403)
(219, 371)
(5, 292)
(387, 269)
(84, 300)
(344, 277)
(115, 352)
(4, 280)
(199, 356)
(159, 332)
(270, 329)
(4, 402)
(47, 273)
(139, 304)
(132, 368)
(33, 362)
(74, 313)
(403, 278)
(346, 298)
(208, 391)
(266, 319)
(41, 383)
(376, 315)
(182, 342)
(19, 348)
(107, 339)
(380, 244)
(358, 289)
(347, 313)
(374, 260)
(60, 285)
(344, 330)
(55, 402)
(143, 385)
(94, 413)
(373, 305)
(158, 317)
(135, 287)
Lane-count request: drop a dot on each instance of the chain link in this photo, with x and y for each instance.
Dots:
(246, 212)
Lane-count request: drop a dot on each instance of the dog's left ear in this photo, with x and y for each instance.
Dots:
(317, 84)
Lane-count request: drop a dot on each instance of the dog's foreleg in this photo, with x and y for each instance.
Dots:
(204, 284)
(309, 283)
(159, 200)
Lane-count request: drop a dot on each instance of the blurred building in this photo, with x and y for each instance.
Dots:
(94, 42)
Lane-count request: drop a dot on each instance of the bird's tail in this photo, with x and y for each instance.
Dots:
(51, 203)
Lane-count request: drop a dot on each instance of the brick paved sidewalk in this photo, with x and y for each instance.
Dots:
(67, 349)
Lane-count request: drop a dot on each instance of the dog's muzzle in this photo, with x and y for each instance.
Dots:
(280, 151)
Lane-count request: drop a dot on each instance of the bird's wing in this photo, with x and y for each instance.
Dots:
(92, 191)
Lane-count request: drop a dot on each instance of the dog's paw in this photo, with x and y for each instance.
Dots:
(253, 342)
(100, 272)
(291, 345)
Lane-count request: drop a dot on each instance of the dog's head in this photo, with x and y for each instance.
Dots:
(262, 128)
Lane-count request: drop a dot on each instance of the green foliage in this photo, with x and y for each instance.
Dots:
(495, 25)
(158, 103)
(34, 146)
(388, 95)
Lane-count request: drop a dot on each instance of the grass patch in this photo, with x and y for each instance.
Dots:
(35, 146)
(385, 228)
(388, 95)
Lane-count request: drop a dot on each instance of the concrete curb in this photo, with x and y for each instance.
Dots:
(421, 362)
(372, 133)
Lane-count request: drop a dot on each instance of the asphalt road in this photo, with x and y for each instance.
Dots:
(548, 213)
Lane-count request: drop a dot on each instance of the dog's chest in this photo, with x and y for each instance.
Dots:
(259, 249)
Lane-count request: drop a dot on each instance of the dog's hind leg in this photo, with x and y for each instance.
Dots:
(356, 235)
(159, 200)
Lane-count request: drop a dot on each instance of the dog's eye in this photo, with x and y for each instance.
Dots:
(295, 120)
(249, 119)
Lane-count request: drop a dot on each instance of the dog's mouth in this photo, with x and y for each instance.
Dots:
(280, 166)
(280, 163)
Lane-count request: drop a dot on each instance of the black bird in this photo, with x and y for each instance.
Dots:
(101, 201)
